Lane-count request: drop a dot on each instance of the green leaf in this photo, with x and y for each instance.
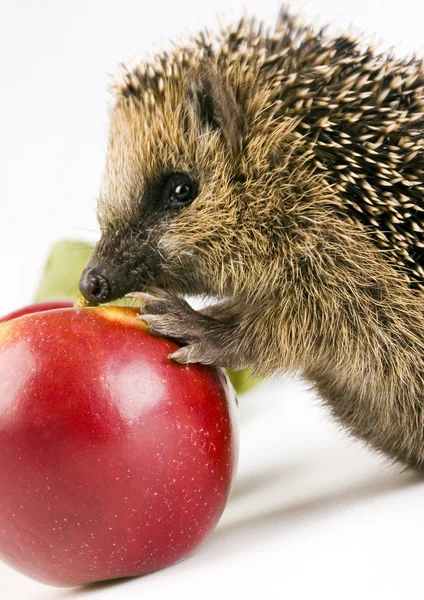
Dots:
(243, 380)
(62, 272)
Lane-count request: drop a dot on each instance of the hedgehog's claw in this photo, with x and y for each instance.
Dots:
(148, 318)
(173, 317)
(193, 353)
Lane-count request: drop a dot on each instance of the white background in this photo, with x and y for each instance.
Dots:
(312, 514)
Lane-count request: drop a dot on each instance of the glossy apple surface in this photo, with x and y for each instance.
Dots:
(38, 307)
(114, 461)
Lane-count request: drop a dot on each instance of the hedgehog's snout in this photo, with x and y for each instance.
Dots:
(94, 287)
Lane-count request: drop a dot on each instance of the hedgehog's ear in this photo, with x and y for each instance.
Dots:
(216, 106)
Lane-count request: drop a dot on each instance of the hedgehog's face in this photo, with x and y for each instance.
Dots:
(168, 205)
(184, 202)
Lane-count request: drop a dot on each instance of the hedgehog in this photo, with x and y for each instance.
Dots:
(276, 172)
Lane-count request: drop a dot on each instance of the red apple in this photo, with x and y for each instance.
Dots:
(38, 307)
(114, 460)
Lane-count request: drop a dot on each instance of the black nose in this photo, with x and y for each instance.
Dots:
(94, 287)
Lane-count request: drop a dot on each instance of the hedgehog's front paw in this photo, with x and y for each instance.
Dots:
(172, 317)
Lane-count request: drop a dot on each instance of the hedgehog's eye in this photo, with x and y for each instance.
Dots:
(180, 190)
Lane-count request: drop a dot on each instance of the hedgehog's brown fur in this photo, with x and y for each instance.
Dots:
(309, 221)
